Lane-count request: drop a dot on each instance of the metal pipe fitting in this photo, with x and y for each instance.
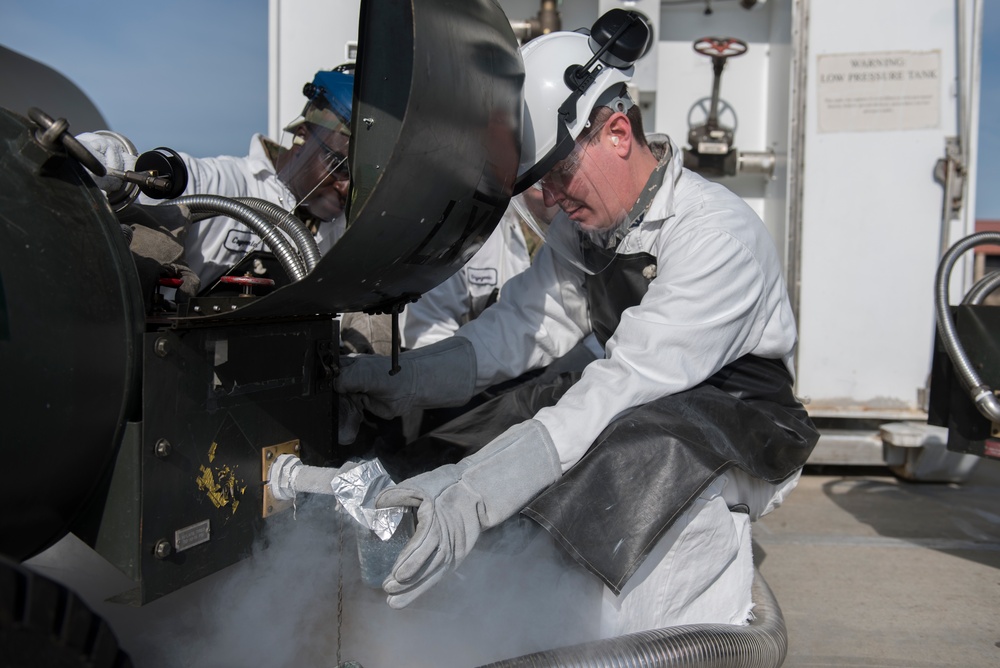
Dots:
(289, 476)
(756, 162)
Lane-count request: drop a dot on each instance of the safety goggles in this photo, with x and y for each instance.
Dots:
(557, 179)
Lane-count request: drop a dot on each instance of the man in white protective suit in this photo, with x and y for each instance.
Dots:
(648, 467)
(468, 292)
(310, 178)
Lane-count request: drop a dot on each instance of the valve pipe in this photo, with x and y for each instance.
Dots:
(756, 162)
(289, 476)
(986, 402)
(289, 260)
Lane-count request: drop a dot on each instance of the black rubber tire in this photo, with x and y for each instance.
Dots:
(42, 623)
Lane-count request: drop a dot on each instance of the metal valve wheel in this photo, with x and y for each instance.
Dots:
(720, 47)
(247, 282)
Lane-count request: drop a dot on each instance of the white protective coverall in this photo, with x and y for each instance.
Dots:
(214, 245)
(717, 296)
(440, 312)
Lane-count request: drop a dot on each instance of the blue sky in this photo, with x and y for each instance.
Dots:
(188, 74)
(192, 74)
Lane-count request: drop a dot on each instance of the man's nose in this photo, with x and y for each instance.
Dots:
(549, 198)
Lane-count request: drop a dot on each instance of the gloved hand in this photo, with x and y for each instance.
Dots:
(441, 374)
(113, 154)
(157, 246)
(456, 502)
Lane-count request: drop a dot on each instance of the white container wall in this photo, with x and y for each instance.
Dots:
(880, 105)
(857, 101)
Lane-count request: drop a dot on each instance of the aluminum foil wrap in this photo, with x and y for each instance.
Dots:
(356, 489)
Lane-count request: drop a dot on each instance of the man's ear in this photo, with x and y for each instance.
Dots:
(618, 132)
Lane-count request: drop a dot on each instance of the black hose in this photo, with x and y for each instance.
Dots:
(763, 643)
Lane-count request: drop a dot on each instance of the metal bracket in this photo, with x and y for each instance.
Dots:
(950, 172)
(268, 455)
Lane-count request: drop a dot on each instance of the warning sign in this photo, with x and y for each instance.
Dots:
(893, 90)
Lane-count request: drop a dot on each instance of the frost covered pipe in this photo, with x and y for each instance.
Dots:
(286, 220)
(289, 476)
(216, 204)
(763, 643)
(986, 402)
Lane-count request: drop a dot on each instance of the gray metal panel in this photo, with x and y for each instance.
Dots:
(434, 153)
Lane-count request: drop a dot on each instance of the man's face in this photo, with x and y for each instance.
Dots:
(318, 171)
(582, 185)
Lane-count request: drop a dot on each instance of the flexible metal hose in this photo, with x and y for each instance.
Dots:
(286, 220)
(288, 258)
(986, 402)
(761, 644)
(983, 288)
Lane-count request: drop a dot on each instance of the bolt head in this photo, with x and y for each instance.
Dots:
(162, 549)
(162, 346)
(163, 448)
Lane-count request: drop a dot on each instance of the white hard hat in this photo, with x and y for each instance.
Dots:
(566, 75)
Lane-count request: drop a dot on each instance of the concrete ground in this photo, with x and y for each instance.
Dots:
(873, 571)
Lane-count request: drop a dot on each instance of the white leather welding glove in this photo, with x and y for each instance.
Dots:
(441, 374)
(113, 154)
(457, 502)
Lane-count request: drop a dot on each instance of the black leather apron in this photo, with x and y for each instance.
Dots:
(652, 462)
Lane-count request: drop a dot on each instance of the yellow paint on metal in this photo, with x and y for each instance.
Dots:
(207, 484)
(211, 452)
(221, 486)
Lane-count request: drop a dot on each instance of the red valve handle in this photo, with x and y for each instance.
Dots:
(246, 280)
(171, 282)
(720, 47)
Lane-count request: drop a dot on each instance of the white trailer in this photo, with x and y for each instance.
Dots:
(855, 128)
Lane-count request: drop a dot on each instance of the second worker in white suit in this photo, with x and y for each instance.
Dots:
(648, 467)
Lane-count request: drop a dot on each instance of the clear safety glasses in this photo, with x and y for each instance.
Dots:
(576, 209)
(560, 176)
